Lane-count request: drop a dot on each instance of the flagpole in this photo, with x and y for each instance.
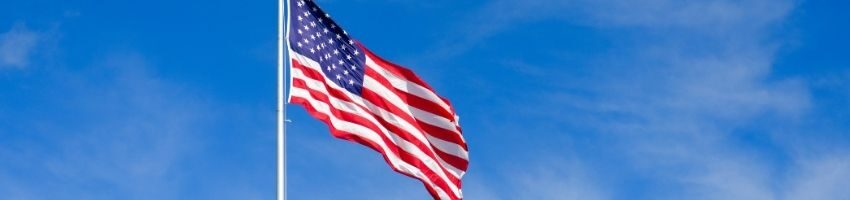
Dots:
(281, 107)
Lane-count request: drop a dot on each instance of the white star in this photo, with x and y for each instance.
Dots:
(338, 77)
(299, 44)
(345, 72)
(300, 18)
(327, 15)
(330, 41)
(341, 62)
(338, 36)
(333, 66)
(354, 67)
(351, 42)
(306, 27)
(313, 37)
(313, 24)
(336, 51)
(306, 13)
(329, 68)
(312, 50)
(348, 57)
(326, 30)
(351, 82)
(356, 52)
(306, 41)
(300, 32)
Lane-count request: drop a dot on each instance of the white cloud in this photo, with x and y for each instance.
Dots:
(674, 95)
(119, 133)
(707, 15)
(556, 180)
(478, 189)
(17, 46)
(712, 17)
(682, 78)
(701, 72)
(825, 177)
(546, 177)
(312, 153)
(690, 170)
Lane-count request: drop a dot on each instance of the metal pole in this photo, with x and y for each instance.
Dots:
(281, 106)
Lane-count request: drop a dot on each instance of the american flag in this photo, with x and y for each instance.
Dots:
(366, 99)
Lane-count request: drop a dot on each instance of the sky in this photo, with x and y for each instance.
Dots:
(558, 99)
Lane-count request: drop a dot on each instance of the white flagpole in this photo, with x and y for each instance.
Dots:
(281, 107)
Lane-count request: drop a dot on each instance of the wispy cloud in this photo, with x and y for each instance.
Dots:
(704, 17)
(821, 177)
(682, 82)
(17, 46)
(545, 177)
(700, 72)
(557, 180)
(343, 166)
(112, 131)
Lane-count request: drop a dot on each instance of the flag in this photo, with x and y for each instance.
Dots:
(366, 99)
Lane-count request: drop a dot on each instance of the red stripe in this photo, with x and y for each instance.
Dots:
(399, 71)
(437, 132)
(362, 121)
(457, 162)
(413, 100)
(357, 139)
(395, 69)
(402, 155)
(377, 100)
(447, 135)
(407, 136)
(318, 95)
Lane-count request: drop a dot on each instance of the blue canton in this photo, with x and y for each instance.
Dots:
(313, 34)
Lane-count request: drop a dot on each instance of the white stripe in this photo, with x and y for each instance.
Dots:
(391, 118)
(297, 73)
(367, 134)
(457, 173)
(372, 84)
(408, 86)
(404, 85)
(413, 88)
(445, 146)
(389, 96)
(398, 142)
(430, 118)
(448, 147)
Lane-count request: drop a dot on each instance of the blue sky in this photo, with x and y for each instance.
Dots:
(559, 99)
